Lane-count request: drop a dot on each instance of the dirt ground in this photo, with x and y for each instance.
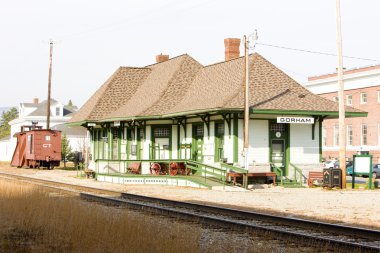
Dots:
(350, 207)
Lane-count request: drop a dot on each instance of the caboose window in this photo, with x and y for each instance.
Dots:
(47, 138)
(30, 139)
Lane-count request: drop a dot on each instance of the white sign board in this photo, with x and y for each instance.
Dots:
(295, 120)
(91, 124)
(362, 164)
(116, 123)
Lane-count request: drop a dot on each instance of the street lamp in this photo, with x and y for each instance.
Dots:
(247, 39)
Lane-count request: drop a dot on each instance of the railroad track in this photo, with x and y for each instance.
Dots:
(344, 238)
(340, 237)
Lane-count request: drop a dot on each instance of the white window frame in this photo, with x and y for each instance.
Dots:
(57, 111)
(349, 99)
(336, 135)
(364, 137)
(349, 135)
(363, 98)
(324, 136)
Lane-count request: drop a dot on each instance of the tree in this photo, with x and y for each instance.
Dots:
(6, 117)
(70, 103)
(66, 151)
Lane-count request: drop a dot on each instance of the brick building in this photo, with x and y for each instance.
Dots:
(362, 91)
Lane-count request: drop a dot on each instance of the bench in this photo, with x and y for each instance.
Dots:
(134, 168)
(234, 175)
(314, 175)
(264, 174)
(89, 173)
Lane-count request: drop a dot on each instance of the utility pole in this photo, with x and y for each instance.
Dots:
(246, 102)
(342, 132)
(49, 86)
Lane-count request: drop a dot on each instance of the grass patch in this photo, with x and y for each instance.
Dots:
(32, 220)
(67, 168)
(362, 186)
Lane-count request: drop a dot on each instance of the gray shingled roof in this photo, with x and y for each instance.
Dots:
(41, 108)
(182, 85)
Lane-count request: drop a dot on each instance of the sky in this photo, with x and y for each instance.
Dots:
(92, 38)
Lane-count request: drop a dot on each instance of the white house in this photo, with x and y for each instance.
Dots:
(35, 113)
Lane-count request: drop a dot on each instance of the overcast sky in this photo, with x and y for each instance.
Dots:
(93, 38)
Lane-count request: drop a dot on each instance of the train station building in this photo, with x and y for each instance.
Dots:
(178, 109)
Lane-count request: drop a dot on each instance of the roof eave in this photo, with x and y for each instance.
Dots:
(329, 114)
(332, 114)
(173, 115)
(77, 123)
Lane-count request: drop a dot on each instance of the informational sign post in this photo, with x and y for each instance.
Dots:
(362, 166)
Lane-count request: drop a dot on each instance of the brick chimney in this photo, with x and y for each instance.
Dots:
(162, 58)
(232, 48)
(35, 100)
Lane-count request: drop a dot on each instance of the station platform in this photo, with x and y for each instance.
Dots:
(185, 181)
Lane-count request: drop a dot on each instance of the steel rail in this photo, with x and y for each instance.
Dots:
(290, 221)
(286, 234)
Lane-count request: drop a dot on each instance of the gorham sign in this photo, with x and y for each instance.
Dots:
(295, 120)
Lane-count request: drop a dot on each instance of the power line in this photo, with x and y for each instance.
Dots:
(315, 52)
(173, 4)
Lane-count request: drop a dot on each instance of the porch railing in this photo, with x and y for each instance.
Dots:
(206, 173)
(278, 171)
(297, 176)
(231, 168)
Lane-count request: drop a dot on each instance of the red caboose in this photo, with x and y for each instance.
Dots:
(37, 148)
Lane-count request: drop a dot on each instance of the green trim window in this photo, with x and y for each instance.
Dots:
(161, 147)
(279, 145)
(219, 142)
(275, 127)
(115, 143)
(197, 142)
(141, 133)
(199, 131)
(219, 129)
(161, 132)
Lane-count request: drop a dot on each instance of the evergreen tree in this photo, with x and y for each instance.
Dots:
(6, 117)
(66, 151)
